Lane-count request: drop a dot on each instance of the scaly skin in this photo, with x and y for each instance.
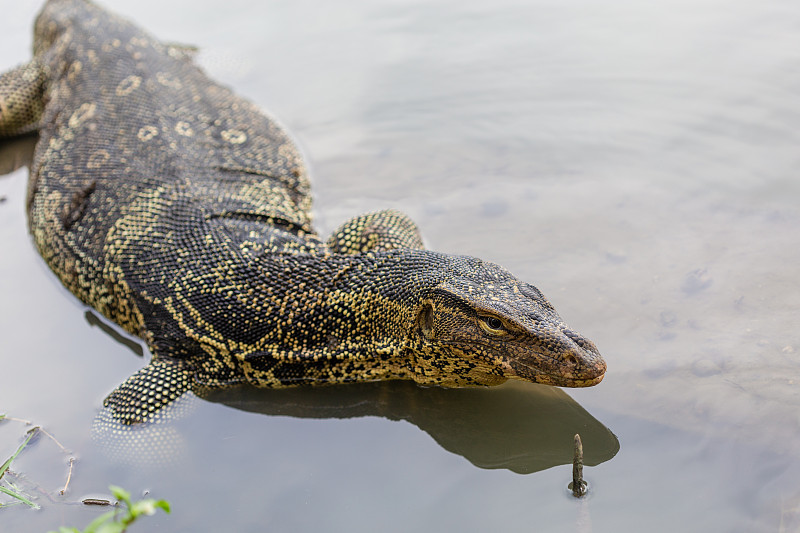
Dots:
(182, 213)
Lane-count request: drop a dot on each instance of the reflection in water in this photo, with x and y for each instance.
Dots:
(16, 153)
(521, 427)
(155, 444)
(94, 319)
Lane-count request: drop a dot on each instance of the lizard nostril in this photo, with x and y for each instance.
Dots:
(580, 340)
(570, 358)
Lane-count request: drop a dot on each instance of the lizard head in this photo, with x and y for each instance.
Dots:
(485, 325)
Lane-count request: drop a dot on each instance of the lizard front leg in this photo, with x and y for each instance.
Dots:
(21, 99)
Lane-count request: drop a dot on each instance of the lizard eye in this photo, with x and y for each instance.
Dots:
(492, 325)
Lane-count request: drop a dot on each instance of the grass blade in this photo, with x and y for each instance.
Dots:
(20, 497)
(5, 466)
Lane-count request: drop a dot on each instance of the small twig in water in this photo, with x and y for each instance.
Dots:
(95, 501)
(69, 476)
(29, 423)
(5, 468)
(52, 438)
(578, 484)
(26, 422)
(56, 441)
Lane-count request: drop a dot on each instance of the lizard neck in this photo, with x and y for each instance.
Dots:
(332, 317)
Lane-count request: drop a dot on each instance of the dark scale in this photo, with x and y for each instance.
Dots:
(183, 213)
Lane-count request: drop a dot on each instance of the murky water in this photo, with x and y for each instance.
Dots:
(636, 161)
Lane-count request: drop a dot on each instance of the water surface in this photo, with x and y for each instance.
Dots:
(635, 161)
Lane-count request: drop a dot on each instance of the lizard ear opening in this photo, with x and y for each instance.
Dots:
(425, 320)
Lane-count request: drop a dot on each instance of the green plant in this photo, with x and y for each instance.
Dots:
(10, 489)
(125, 511)
(118, 520)
(7, 486)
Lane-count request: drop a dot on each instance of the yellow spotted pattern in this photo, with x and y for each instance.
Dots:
(182, 212)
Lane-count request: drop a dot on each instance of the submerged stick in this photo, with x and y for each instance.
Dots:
(95, 501)
(69, 476)
(6, 417)
(31, 433)
(578, 484)
(55, 440)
